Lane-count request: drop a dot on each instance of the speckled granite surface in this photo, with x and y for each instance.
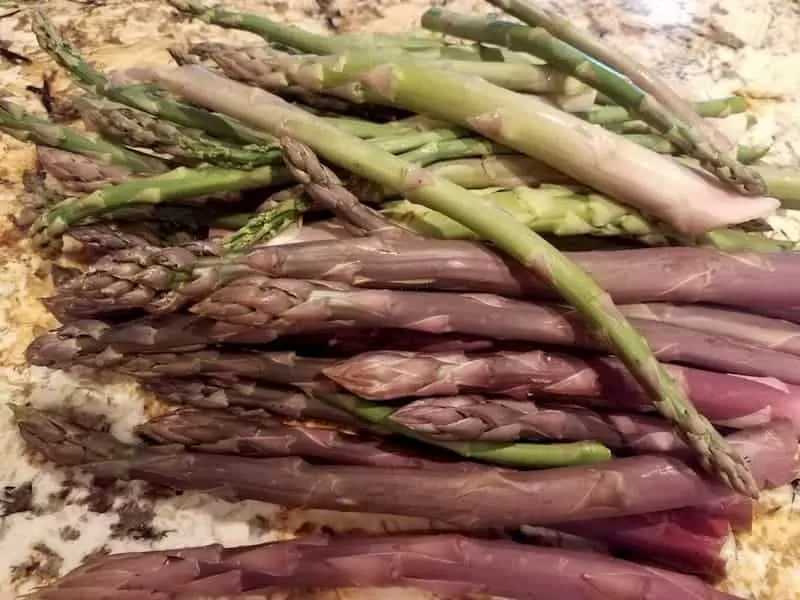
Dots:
(707, 48)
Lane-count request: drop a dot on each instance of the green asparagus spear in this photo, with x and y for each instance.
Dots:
(560, 27)
(718, 107)
(418, 185)
(744, 154)
(177, 184)
(134, 127)
(540, 43)
(145, 98)
(560, 211)
(17, 123)
(519, 455)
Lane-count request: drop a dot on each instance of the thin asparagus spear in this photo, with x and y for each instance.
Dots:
(17, 123)
(539, 42)
(524, 123)
(144, 98)
(744, 154)
(528, 12)
(502, 171)
(496, 498)
(447, 565)
(717, 107)
(177, 184)
(254, 433)
(326, 189)
(138, 128)
(518, 455)
(470, 418)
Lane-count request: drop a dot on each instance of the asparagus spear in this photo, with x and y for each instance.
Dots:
(756, 330)
(79, 173)
(178, 184)
(145, 98)
(744, 154)
(447, 565)
(496, 498)
(255, 434)
(250, 65)
(227, 393)
(16, 122)
(598, 50)
(727, 400)
(560, 211)
(717, 107)
(138, 128)
(756, 283)
(470, 418)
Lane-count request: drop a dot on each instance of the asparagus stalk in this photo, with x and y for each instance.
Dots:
(144, 98)
(598, 50)
(326, 189)
(138, 128)
(255, 434)
(717, 107)
(622, 487)
(560, 211)
(471, 418)
(752, 329)
(446, 564)
(753, 283)
(16, 122)
(78, 173)
(744, 154)
(250, 394)
(525, 123)
(727, 400)
(178, 184)
(251, 65)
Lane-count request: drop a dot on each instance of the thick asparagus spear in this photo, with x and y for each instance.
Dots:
(521, 122)
(144, 98)
(137, 128)
(559, 27)
(496, 498)
(756, 330)
(756, 283)
(447, 565)
(469, 418)
(255, 434)
(16, 122)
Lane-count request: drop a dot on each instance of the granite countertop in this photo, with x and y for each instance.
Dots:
(707, 48)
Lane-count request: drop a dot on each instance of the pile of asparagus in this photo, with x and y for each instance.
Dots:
(502, 278)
